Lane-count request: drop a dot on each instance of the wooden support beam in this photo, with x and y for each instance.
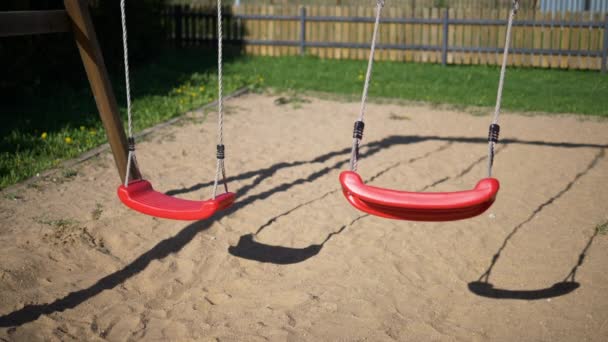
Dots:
(20, 23)
(90, 52)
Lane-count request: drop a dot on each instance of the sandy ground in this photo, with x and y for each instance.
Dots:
(293, 261)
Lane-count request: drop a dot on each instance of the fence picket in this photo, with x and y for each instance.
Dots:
(556, 33)
(460, 36)
(282, 32)
(346, 33)
(433, 36)
(294, 30)
(517, 43)
(425, 35)
(584, 41)
(417, 35)
(483, 37)
(313, 31)
(537, 41)
(594, 43)
(408, 35)
(369, 31)
(467, 35)
(349, 31)
(564, 42)
(528, 33)
(575, 61)
(338, 52)
(275, 30)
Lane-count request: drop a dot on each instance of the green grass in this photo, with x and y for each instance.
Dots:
(536, 90)
(56, 122)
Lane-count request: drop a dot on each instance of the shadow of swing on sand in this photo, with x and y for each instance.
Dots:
(250, 249)
(485, 289)
(564, 287)
(482, 287)
(174, 244)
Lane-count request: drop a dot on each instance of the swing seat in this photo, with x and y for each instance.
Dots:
(415, 206)
(140, 196)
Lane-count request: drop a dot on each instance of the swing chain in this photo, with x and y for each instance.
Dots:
(131, 160)
(359, 124)
(494, 127)
(220, 170)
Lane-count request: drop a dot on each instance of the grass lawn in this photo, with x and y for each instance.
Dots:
(55, 122)
(536, 90)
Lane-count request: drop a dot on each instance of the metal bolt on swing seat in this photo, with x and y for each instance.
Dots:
(358, 131)
(494, 133)
(131, 144)
(220, 151)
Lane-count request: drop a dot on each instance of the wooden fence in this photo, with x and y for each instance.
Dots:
(428, 35)
(497, 4)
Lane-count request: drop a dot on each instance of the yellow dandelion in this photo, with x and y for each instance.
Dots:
(92, 132)
(68, 140)
(43, 136)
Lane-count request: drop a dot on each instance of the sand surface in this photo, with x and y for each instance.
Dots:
(292, 261)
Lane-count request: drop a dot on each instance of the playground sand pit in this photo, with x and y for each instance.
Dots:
(292, 260)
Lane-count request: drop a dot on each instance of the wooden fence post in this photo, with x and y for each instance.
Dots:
(302, 31)
(605, 47)
(90, 52)
(446, 30)
(177, 15)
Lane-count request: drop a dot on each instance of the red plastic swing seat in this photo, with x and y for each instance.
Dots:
(140, 196)
(416, 206)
